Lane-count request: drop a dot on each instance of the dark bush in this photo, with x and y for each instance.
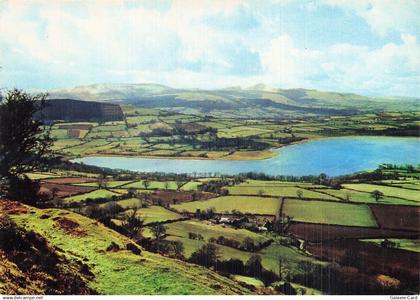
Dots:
(133, 248)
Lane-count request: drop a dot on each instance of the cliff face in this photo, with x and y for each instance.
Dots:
(77, 110)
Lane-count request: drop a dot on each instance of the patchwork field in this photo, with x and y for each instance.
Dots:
(63, 190)
(209, 230)
(153, 214)
(278, 191)
(244, 204)
(100, 193)
(386, 190)
(168, 185)
(347, 195)
(326, 223)
(329, 213)
(191, 186)
(159, 133)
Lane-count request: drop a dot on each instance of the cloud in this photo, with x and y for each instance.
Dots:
(288, 65)
(204, 44)
(392, 69)
(384, 15)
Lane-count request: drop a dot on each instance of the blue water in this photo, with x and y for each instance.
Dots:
(333, 156)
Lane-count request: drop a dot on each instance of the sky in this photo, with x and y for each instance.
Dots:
(370, 47)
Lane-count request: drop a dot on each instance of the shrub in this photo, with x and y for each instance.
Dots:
(133, 248)
(285, 288)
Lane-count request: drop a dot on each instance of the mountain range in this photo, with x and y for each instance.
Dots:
(256, 101)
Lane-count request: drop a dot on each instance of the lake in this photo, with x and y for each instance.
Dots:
(333, 156)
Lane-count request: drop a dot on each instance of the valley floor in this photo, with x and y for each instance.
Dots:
(299, 230)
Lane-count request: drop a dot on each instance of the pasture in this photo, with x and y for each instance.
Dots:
(100, 193)
(364, 197)
(226, 204)
(277, 191)
(412, 195)
(323, 212)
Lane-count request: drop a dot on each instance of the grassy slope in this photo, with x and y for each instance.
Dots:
(14, 281)
(123, 272)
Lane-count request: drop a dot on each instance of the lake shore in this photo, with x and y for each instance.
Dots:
(237, 155)
(332, 156)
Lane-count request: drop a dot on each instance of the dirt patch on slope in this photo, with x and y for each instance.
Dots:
(12, 207)
(63, 190)
(70, 227)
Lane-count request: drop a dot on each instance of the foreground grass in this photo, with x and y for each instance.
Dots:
(123, 272)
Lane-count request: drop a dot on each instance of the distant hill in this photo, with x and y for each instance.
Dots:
(255, 101)
(77, 110)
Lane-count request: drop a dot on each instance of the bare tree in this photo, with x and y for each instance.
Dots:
(133, 224)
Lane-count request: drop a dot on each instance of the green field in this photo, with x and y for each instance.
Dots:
(275, 183)
(155, 133)
(329, 213)
(154, 214)
(92, 195)
(208, 230)
(191, 186)
(244, 204)
(279, 191)
(171, 185)
(270, 255)
(386, 190)
(44, 175)
(364, 197)
(109, 184)
(128, 203)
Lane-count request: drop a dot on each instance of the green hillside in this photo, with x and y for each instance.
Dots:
(116, 272)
